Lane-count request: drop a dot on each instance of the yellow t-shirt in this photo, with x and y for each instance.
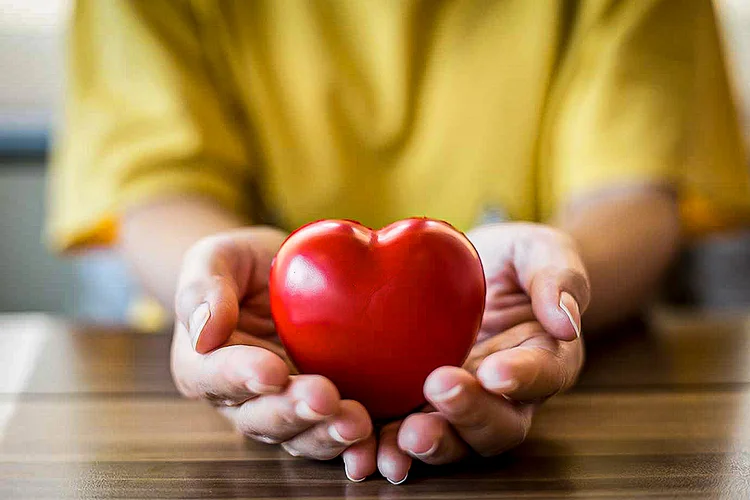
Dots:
(378, 110)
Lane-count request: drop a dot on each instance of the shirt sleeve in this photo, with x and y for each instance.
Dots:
(144, 117)
(641, 96)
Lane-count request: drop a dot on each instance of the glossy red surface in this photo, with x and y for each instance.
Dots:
(377, 311)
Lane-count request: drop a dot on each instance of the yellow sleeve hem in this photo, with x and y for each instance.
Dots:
(100, 226)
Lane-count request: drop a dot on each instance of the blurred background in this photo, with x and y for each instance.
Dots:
(33, 280)
(31, 72)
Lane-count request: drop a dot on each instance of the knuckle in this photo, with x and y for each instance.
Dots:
(521, 431)
(563, 379)
(525, 425)
(570, 371)
(211, 251)
(199, 253)
(553, 375)
(320, 448)
(188, 292)
(565, 375)
(182, 383)
(188, 296)
(327, 449)
(285, 418)
(222, 282)
(183, 387)
(234, 356)
(472, 419)
(246, 427)
(213, 397)
(513, 438)
(330, 454)
(205, 387)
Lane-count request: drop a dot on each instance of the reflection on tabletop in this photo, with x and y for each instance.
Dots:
(91, 411)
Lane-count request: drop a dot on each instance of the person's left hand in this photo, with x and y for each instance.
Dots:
(528, 349)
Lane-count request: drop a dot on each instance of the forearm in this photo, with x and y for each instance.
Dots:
(154, 238)
(626, 242)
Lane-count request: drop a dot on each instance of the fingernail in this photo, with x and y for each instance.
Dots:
(303, 410)
(398, 482)
(293, 452)
(570, 307)
(493, 381)
(334, 433)
(198, 321)
(425, 454)
(448, 395)
(267, 439)
(255, 386)
(349, 476)
(388, 468)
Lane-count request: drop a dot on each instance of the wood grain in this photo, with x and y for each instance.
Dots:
(661, 412)
(162, 429)
(85, 359)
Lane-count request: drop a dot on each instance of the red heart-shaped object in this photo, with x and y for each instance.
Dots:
(377, 311)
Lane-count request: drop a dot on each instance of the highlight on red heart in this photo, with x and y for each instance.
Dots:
(377, 311)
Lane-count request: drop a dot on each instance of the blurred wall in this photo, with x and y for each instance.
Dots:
(30, 279)
(30, 70)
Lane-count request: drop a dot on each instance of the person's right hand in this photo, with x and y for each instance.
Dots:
(224, 350)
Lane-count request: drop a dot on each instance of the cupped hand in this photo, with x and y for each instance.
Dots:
(528, 349)
(225, 351)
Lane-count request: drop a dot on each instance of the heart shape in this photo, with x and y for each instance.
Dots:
(377, 311)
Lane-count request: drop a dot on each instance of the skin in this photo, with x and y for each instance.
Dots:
(594, 247)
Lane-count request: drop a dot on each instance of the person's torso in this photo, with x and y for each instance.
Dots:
(381, 110)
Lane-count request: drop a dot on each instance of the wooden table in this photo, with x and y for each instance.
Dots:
(91, 413)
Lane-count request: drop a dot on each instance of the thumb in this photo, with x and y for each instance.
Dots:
(548, 267)
(214, 273)
(559, 297)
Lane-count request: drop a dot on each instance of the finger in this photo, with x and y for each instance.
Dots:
(239, 337)
(360, 459)
(487, 423)
(217, 274)
(255, 315)
(256, 323)
(509, 339)
(502, 301)
(498, 320)
(275, 418)
(501, 279)
(328, 439)
(393, 463)
(430, 438)
(553, 294)
(548, 268)
(227, 376)
(533, 371)
(213, 279)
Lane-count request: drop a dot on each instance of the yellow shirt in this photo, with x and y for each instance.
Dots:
(378, 110)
